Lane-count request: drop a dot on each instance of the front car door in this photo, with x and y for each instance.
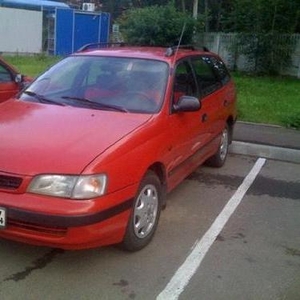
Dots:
(197, 135)
(187, 130)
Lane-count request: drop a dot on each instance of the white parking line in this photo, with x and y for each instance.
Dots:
(185, 272)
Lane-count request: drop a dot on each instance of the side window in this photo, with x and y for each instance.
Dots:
(184, 83)
(205, 75)
(5, 76)
(220, 69)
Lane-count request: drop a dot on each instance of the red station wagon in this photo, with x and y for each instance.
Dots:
(10, 81)
(90, 149)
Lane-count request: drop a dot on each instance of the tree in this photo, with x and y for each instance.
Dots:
(261, 16)
(157, 25)
(258, 24)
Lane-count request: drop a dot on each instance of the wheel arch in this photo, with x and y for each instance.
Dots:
(160, 171)
(230, 122)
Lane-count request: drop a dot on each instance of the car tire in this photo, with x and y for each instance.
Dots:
(219, 158)
(145, 214)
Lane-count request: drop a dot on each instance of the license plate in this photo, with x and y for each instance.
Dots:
(2, 217)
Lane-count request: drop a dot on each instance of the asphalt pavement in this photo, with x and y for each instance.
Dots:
(268, 141)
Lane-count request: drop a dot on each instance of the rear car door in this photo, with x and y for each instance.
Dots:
(213, 95)
(8, 86)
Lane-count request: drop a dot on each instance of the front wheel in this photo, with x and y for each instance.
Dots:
(145, 214)
(219, 158)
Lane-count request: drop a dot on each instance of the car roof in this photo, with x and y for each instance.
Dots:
(167, 54)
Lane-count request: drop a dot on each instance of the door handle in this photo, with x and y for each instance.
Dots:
(226, 103)
(204, 118)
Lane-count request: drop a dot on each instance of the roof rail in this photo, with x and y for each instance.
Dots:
(171, 50)
(100, 45)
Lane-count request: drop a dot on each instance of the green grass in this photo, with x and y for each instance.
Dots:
(270, 100)
(261, 99)
(31, 65)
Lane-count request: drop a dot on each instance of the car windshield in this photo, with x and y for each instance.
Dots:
(106, 83)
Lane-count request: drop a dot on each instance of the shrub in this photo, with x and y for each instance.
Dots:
(156, 26)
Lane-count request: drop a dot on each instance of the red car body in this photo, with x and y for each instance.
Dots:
(152, 149)
(11, 81)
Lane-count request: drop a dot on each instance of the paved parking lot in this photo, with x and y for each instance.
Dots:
(255, 253)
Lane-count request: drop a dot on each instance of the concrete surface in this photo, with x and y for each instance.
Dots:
(267, 141)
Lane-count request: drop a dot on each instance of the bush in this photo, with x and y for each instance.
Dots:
(156, 26)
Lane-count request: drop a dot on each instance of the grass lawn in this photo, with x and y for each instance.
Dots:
(270, 100)
(32, 65)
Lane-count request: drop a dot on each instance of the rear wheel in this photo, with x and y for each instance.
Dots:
(145, 214)
(219, 158)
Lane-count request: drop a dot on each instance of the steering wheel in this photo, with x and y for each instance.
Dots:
(136, 96)
(139, 94)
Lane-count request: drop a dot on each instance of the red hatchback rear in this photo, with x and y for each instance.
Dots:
(90, 149)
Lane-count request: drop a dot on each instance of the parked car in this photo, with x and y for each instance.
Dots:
(90, 149)
(11, 81)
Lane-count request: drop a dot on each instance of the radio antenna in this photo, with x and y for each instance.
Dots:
(179, 42)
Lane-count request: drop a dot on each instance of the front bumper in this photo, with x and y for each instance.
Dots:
(67, 224)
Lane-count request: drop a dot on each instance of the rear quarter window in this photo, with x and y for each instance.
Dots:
(220, 69)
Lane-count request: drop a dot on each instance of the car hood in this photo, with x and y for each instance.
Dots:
(42, 138)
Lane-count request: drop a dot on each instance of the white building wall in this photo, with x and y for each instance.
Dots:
(20, 30)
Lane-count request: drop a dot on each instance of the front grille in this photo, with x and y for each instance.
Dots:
(10, 182)
(37, 229)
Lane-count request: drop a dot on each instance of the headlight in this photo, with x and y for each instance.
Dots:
(68, 186)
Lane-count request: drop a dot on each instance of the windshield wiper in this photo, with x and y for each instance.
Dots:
(96, 105)
(42, 99)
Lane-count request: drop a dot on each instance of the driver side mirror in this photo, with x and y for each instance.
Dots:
(187, 104)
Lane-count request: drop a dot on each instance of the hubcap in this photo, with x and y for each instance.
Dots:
(224, 144)
(145, 211)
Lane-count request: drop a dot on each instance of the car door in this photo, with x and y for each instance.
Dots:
(8, 87)
(186, 128)
(212, 95)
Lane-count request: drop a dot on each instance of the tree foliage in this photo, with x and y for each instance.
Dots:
(262, 16)
(260, 25)
(156, 25)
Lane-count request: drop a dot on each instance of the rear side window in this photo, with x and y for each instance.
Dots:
(207, 80)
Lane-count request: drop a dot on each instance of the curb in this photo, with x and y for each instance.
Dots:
(272, 152)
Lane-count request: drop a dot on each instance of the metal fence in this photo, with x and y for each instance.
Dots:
(232, 50)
